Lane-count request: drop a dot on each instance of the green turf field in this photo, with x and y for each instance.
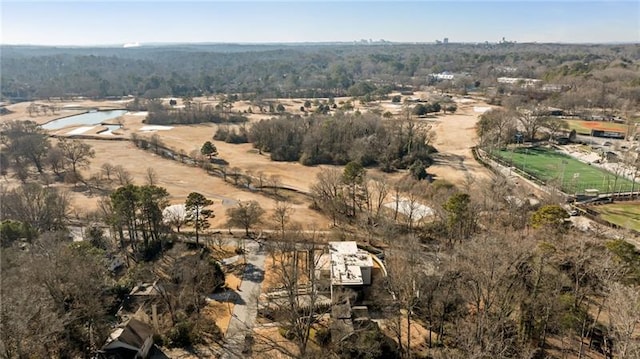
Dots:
(624, 214)
(550, 166)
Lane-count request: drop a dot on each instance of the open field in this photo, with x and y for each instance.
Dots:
(454, 137)
(180, 180)
(624, 214)
(574, 176)
(585, 127)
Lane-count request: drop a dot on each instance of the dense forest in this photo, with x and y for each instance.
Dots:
(602, 73)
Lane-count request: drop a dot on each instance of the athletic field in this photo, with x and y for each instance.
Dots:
(624, 214)
(585, 127)
(551, 167)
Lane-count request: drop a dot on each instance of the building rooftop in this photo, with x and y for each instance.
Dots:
(346, 263)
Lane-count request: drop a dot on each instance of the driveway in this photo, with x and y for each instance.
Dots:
(245, 309)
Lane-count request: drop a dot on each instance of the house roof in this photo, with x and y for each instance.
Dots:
(133, 335)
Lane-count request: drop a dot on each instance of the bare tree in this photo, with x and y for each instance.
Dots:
(151, 176)
(29, 324)
(491, 126)
(123, 176)
(235, 172)
(531, 121)
(155, 142)
(108, 169)
(555, 125)
(41, 208)
(175, 216)
(624, 316)
(56, 160)
(282, 216)
(245, 215)
(275, 182)
(327, 193)
(261, 179)
(77, 153)
(25, 142)
(405, 283)
(73, 276)
(295, 300)
(379, 191)
(487, 266)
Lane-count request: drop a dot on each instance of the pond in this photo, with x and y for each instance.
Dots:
(89, 118)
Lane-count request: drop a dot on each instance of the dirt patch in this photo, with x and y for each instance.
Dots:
(455, 136)
(267, 339)
(599, 125)
(419, 334)
(270, 280)
(220, 312)
(232, 281)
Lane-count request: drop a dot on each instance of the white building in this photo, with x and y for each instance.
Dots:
(524, 82)
(350, 266)
(344, 266)
(443, 76)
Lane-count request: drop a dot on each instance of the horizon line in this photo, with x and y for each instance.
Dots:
(339, 42)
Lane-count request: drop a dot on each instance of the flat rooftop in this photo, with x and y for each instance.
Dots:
(346, 263)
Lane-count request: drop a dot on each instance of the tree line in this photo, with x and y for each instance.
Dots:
(604, 74)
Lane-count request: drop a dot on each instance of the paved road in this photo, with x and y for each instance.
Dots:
(245, 310)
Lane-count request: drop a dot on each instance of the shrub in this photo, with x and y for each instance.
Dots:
(286, 333)
(323, 336)
(182, 335)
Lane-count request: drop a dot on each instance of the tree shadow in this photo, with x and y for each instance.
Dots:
(228, 296)
(253, 273)
(157, 353)
(451, 160)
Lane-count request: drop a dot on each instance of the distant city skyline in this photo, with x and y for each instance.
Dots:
(117, 23)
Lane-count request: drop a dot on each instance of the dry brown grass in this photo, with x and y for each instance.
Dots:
(270, 279)
(267, 342)
(220, 312)
(455, 136)
(419, 334)
(179, 180)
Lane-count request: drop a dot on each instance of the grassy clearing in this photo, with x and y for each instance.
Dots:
(625, 214)
(574, 176)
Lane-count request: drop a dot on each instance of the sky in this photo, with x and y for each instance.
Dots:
(90, 22)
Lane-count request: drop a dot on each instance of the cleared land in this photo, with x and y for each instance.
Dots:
(573, 176)
(624, 214)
